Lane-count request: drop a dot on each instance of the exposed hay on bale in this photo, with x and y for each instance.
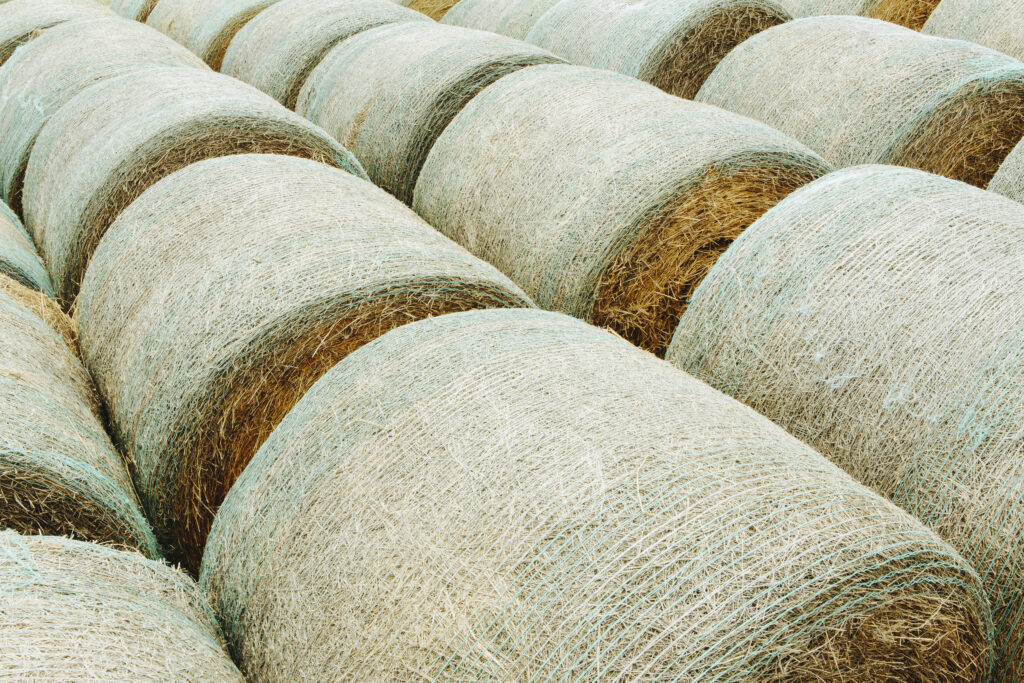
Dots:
(20, 20)
(278, 50)
(137, 10)
(910, 13)
(998, 24)
(226, 290)
(1009, 180)
(603, 197)
(435, 9)
(515, 495)
(44, 75)
(513, 18)
(862, 91)
(206, 26)
(875, 314)
(43, 306)
(18, 257)
(388, 93)
(73, 611)
(112, 141)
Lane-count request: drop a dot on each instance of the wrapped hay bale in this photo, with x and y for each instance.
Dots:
(513, 18)
(875, 314)
(137, 10)
(601, 196)
(74, 611)
(910, 13)
(44, 75)
(18, 257)
(20, 20)
(205, 26)
(673, 44)
(278, 50)
(115, 139)
(862, 91)
(1009, 180)
(388, 93)
(540, 500)
(998, 24)
(214, 303)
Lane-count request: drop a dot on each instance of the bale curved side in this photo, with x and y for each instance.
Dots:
(910, 13)
(20, 20)
(860, 91)
(512, 18)
(513, 495)
(997, 24)
(875, 315)
(18, 257)
(206, 26)
(388, 93)
(137, 10)
(278, 50)
(601, 196)
(115, 139)
(1009, 180)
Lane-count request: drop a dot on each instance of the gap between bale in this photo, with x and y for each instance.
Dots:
(136, 10)
(206, 27)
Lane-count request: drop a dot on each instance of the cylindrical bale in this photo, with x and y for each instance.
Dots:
(875, 314)
(1009, 180)
(998, 24)
(277, 51)
(44, 75)
(515, 495)
(45, 307)
(513, 18)
(137, 10)
(910, 13)
(76, 611)
(860, 91)
(18, 257)
(673, 44)
(601, 196)
(388, 93)
(20, 20)
(226, 290)
(115, 139)
(205, 26)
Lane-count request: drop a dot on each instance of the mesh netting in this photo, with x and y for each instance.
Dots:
(206, 26)
(1009, 180)
(138, 10)
(909, 13)
(998, 24)
(513, 18)
(20, 20)
(18, 257)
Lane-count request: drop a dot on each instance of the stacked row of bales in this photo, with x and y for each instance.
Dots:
(998, 24)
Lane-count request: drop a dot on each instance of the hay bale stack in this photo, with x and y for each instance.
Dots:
(910, 13)
(205, 26)
(20, 20)
(44, 75)
(115, 139)
(863, 91)
(875, 314)
(278, 50)
(513, 18)
(137, 10)
(513, 495)
(673, 44)
(78, 611)
(226, 290)
(388, 93)
(18, 257)
(601, 196)
(998, 24)
(1009, 180)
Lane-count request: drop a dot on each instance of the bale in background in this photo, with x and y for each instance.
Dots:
(513, 18)
(514, 495)
(998, 24)
(910, 13)
(601, 196)
(388, 93)
(1009, 180)
(115, 139)
(278, 50)
(875, 314)
(18, 257)
(205, 26)
(862, 91)
(20, 20)
(137, 10)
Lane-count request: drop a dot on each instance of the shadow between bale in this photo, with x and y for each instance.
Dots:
(206, 27)
(512, 18)
(136, 10)
(993, 23)
(910, 13)
(20, 20)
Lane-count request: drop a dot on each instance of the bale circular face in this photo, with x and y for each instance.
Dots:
(18, 257)
(206, 27)
(137, 10)
(993, 23)
(512, 18)
(21, 20)
(1009, 180)
(910, 13)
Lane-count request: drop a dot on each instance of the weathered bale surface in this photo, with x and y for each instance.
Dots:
(137, 10)
(278, 50)
(226, 290)
(513, 18)
(18, 257)
(20, 20)
(875, 314)
(1009, 180)
(862, 91)
(44, 75)
(673, 44)
(77, 611)
(513, 495)
(998, 24)
(206, 26)
(909, 13)
(601, 196)
(388, 93)
(59, 473)
(115, 139)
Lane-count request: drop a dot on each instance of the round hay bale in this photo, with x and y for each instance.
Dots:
(213, 304)
(875, 314)
(137, 10)
(998, 24)
(45, 307)
(673, 44)
(21, 20)
(206, 26)
(611, 199)
(44, 75)
(1009, 180)
(75, 611)
(910, 13)
(513, 18)
(59, 473)
(515, 495)
(859, 91)
(18, 257)
(388, 93)
(278, 50)
(115, 139)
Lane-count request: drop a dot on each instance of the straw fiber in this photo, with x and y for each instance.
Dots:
(206, 26)
(1009, 180)
(137, 10)
(21, 20)
(910, 13)
(998, 24)
(435, 9)
(18, 257)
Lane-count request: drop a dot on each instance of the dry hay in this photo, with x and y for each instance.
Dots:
(1009, 180)
(278, 50)
(43, 306)
(45, 74)
(601, 196)
(513, 18)
(673, 44)
(875, 314)
(515, 495)
(388, 93)
(435, 9)
(18, 257)
(860, 91)
(226, 290)
(137, 10)
(115, 139)
(910, 13)
(998, 24)
(206, 26)
(21, 20)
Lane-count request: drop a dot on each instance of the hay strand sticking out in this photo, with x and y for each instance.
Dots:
(910, 13)
(998, 24)
(206, 26)
(1009, 180)
(20, 20)
(601, 196)
(513, 18)
(513, 495)
(875, 314)
(45, 307)
(388, 93)
(278, 50)
(226, 290)
(860, 91)
(76, 611)
(115, 139)
(137, 10)
(18, 257)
